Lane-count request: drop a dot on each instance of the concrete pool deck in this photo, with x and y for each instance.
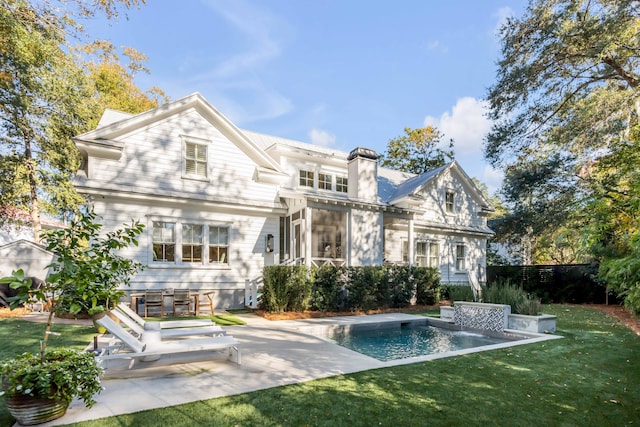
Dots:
(274, 353)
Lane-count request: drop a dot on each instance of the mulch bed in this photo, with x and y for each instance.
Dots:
(616, 311)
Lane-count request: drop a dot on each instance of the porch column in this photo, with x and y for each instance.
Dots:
(307, 225)
(411, 253)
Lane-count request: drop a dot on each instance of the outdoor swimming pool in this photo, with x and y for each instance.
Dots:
(394, 343)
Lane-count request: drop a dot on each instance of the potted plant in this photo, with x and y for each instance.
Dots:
(39, 387)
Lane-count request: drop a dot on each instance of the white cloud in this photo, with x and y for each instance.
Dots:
(493, 178)
(233, 81)
(322, 138)
(466, 124)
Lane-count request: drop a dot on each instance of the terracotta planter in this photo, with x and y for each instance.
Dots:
(30, 411)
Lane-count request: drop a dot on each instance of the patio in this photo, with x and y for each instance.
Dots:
(274, 353)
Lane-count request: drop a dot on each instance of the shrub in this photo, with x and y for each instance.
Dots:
(329, 293)
(363, 287)
(427, 284)
(504, 292)
(458, 293)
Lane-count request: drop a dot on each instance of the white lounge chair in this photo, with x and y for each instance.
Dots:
(149, 351)
(169, 324)
(210, 329)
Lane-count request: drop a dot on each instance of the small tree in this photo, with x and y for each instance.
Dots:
(87, 272)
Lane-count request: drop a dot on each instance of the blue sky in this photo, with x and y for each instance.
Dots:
(336, 73)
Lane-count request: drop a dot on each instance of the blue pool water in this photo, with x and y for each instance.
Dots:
(409, 341)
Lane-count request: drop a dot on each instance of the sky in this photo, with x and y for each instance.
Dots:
(336, 73)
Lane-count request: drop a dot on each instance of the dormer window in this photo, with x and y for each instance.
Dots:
(325, 182)
(450, 202)
(195, 159)
(306, 178)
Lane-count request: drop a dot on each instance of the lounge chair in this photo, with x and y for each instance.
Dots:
(169, 324)
(154, 349)
(210, 329)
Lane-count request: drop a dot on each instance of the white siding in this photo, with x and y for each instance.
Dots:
(152, 162)
(366, 237)
(246, 248)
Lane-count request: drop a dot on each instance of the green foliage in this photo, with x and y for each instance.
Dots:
(427, 282)
(458, 293)
(64, 374)
(623, 275)
(285, 288)
(349, 288)
(329, 290)
(417, 151)
(363, 289)
(87, 273)
(590, 377)
(505, 292)
(564, 102)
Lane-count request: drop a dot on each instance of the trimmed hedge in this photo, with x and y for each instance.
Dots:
(329, 288)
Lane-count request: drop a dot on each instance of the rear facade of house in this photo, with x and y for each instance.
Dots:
(220, 203)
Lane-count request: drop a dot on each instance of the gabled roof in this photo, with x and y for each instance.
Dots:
(102, 141)
(410, 188)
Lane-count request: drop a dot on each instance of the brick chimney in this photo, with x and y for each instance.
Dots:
(363, 174)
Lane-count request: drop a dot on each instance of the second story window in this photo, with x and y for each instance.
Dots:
(195, 159)
(306, 178)
(450, 202)
(325, 182)
(341, 184)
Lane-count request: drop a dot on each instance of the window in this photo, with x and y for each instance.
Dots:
(306, 178)
(191, 243)
(460, 257)
(434, 255)
(421, 254)
(325, 182)
(405, 251)
(341, 184)
(195, 159)
(164, 241)
(218, 245)
(449, 202)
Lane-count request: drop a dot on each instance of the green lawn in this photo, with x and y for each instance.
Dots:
(589, 378)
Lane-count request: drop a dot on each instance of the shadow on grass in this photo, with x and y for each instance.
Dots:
(589, 378)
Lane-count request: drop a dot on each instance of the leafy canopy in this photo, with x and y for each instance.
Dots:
(417, 151)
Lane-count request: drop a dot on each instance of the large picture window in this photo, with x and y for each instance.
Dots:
(164, 241)
(190, 244)
(218, 245)
(195, 159)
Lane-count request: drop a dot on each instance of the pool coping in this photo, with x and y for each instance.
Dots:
(318, 329)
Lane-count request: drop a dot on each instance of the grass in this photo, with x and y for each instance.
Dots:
(589, 378)
(20, 336)
(219, 319)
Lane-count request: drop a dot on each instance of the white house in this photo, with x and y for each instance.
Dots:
(219, 203)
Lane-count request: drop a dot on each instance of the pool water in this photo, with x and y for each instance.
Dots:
(409, 341)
